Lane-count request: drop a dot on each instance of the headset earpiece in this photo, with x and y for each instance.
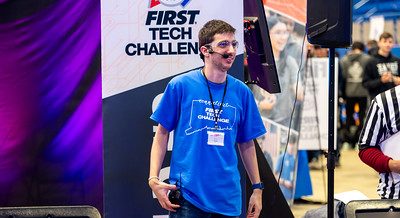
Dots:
(211, 51)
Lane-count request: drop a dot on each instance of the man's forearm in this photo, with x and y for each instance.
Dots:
(248, 153)
(158, 150)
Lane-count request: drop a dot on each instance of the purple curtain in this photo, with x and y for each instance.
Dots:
(50, 103)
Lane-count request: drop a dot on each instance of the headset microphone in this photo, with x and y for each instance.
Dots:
(211, 51)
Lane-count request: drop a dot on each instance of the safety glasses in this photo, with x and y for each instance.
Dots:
(226, 44)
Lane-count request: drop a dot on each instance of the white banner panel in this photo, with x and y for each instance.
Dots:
(314, 120)
(147, 40)
(376, 26)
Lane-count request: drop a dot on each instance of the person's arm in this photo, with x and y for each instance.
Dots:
(370, 152)
(371, 78)
(248, 154)
(158, 150)
(394, 165)
(342, 78)
(396, 78)
(374, 157)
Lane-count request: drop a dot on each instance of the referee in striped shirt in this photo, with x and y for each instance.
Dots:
(382, 123)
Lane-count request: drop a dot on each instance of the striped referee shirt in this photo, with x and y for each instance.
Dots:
(383, 120)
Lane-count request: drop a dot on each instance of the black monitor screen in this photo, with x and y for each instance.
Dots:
(261, 63)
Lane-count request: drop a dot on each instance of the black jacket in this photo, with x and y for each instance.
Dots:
(374, 69)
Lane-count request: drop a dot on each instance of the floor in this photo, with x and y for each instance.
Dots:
(352, 174)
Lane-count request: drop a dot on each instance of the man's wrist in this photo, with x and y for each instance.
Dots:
(153, 177)
(259, 185)
(257, 191)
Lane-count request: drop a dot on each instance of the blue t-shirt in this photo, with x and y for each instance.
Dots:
(209, 175)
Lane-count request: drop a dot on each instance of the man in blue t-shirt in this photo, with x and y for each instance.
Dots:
(209, 112)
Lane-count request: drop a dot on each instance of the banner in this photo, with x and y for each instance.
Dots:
(145, 44)
(314, 120)
(279, 145)
(376, 27)
(146, 41)
(294, 9)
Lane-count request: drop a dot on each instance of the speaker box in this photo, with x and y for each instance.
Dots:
(376, 208)
(50, 212)
(329, 23)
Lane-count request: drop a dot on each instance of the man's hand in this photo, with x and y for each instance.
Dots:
(255, 204)
(396, 80)
(161, 189)
(386, 77)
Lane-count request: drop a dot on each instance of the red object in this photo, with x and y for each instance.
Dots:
(374, 158)
(154, 3)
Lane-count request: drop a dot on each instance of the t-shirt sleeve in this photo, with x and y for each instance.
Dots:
(167, 111)
(251, 125)
(374, 157)
(373, 130)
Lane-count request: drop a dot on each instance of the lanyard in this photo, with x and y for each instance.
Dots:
(216, 115)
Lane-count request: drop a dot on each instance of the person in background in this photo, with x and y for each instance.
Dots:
(320, 52)
(382, 71)
(210, 113)
(294, 48)
(293, 45)
(355, 95)
(379, 142)
(372, 47)
(278, 107)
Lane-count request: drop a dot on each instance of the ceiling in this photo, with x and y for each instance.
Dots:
(364, 9)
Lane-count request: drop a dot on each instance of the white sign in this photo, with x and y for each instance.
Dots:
(376, 27)
(314, 119)
(147, 40)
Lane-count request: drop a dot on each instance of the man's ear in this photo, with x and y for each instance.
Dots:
(205, 50)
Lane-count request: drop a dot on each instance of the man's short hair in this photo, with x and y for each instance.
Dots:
(210, 29)
(372, 43)
(358, 45)
(385, 35)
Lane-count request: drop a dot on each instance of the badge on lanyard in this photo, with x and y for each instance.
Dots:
(215, 138)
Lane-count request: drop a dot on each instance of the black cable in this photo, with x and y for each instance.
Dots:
(294, 107)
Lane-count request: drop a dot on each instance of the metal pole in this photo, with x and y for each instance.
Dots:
(331, 139)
